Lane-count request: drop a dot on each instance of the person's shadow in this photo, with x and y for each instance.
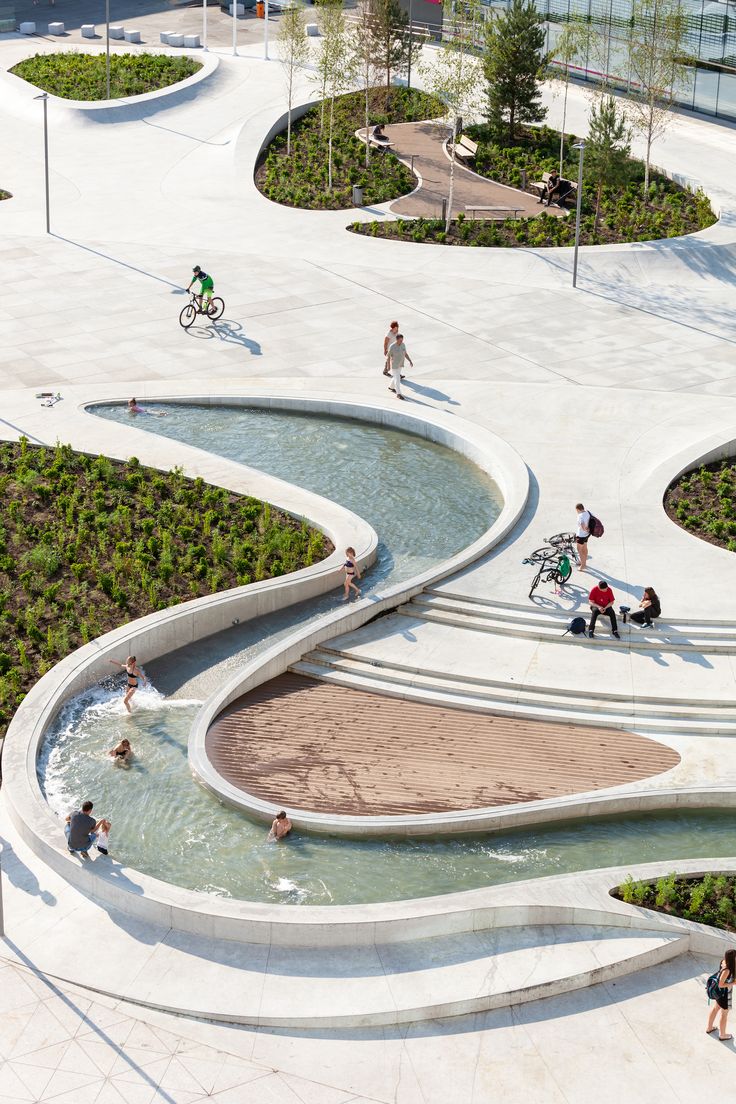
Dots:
(20, 876)
(229, 332)
(430, 392)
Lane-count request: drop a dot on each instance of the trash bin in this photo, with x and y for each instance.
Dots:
(260, 9)
(357, 195)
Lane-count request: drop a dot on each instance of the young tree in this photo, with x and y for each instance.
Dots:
(514, 63)
(389, 33)
(568, 47)
(607, 148)
(656, 45)
(364, 60)
(334, 72)
(454, 75)
(293, 52)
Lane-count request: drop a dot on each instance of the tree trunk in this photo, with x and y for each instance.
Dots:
(649, 152)
(564, 119)
(367, 126)
(329, 147)
(448, 217)
(598, 195)
(512, 123)
(288, 122)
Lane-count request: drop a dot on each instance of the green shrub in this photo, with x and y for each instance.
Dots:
(82, 76)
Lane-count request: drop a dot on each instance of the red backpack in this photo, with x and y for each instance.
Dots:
(595, 527)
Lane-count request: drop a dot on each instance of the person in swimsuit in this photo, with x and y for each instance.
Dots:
(134, 674)
(280, 828)
(134, 408)
(351, 572)
(122, 754)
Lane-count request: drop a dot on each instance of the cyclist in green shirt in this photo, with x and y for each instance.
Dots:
(206, 287)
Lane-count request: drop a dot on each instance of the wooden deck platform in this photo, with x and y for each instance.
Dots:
(306, 744)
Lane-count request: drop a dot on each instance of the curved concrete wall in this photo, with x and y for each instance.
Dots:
(147, 897)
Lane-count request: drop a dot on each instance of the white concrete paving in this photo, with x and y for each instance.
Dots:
(606, 393)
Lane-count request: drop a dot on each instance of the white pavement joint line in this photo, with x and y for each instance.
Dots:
(442, 321)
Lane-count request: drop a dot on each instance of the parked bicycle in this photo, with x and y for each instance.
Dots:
(553, 561)
(213, 310)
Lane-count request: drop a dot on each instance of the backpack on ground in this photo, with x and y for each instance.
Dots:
(576, 627)
(595, 527)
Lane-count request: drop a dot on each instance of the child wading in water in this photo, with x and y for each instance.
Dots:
(134, 673)
(351, 571)
(122, 754)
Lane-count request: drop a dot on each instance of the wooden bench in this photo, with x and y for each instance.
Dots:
(375, 143)
(466, 149)
(495, 212)
(540, 185)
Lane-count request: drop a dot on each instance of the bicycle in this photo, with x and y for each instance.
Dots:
(565, 544)
(558, 574)
(215, 308)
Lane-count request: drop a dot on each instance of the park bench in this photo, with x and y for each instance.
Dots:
(375, 143)
(493, 212)
(466, 149)
(568, 188)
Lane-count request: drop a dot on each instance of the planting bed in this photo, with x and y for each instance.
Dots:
(300, 180)
(703, 501)
(87, 544)
(708, 899)
(82, 76)
(627, 214)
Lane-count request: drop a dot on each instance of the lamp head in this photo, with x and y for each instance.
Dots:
(43, 96)
(579, 145)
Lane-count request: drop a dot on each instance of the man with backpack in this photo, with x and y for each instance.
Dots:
(587, 526)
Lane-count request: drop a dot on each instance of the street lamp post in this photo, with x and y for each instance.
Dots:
(107, 49)
(265, 32)
(204, 24)
(235, 28)
(581, 147)
(44, 97)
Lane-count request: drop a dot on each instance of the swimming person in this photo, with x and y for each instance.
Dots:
(351, 571)
(134, 674)
(122, 754)
(281, 826)
(134, 408)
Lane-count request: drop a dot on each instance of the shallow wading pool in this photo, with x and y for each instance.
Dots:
(426, 503)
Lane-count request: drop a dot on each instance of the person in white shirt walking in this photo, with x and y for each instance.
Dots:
(397, 354)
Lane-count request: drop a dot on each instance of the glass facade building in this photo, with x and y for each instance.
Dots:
(709, 47)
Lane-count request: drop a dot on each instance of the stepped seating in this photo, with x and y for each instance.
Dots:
(485, 615)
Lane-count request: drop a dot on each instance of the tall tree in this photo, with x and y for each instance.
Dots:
(608, 147)
(514, 64)
(334, 71)
(293, 52)
(656, 46)
(364, 59)
(568, 47)
(389, 32)
(454, 75)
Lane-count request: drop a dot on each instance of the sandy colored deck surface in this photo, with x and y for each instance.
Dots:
(311, 745)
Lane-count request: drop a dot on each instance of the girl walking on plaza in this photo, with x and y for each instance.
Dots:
(351, 571)
(719, 990)
(134, 674)
(387, 341)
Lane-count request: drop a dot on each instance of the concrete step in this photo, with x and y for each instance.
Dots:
(303, 988)
(485, 617)
(569, 697)
(508, 701)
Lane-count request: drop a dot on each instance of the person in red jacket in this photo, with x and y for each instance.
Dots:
(601, 600)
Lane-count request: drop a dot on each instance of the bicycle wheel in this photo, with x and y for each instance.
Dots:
(215, 308)
(541, 554)
(187, 316)
(535, 581)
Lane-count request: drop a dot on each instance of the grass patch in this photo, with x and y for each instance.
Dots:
(667, 210)
(5, 195)
(82, 76)
(703, 501)
(707, 899)
(87, 544)
(300, 180)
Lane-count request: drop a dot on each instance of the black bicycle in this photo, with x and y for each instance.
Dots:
(213, 311)
(553, 568)
(565, 544)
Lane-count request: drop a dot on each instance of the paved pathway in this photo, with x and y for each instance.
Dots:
(329, 749)
(425, 142)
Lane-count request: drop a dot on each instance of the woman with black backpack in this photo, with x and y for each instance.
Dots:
(718, 988)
